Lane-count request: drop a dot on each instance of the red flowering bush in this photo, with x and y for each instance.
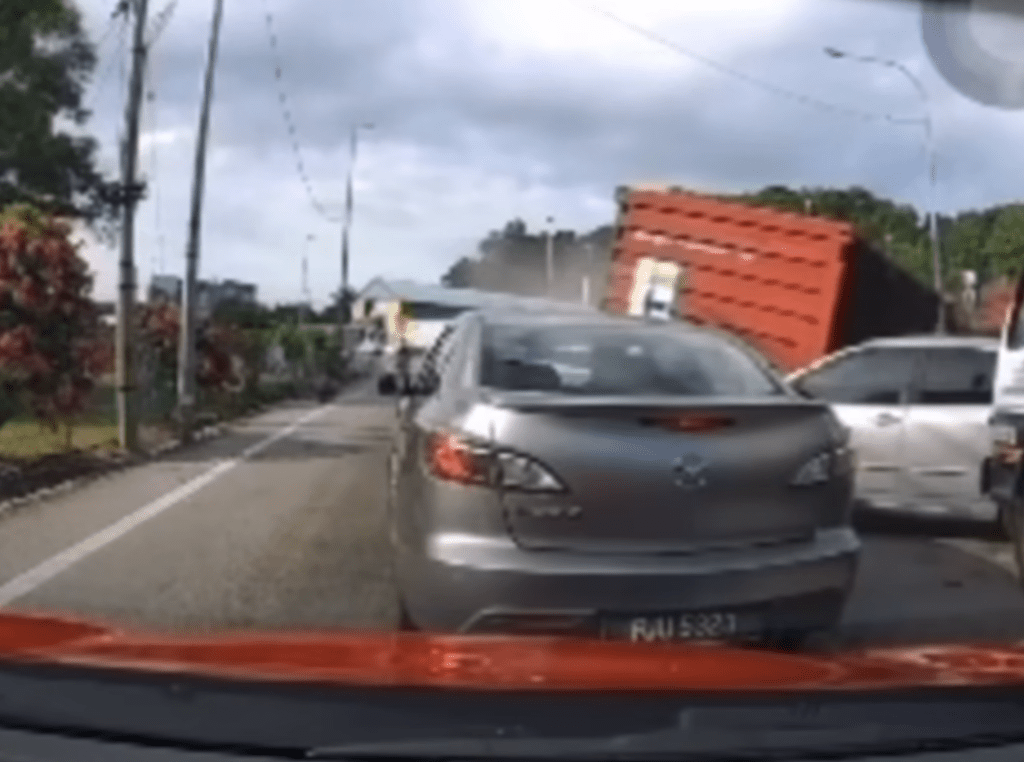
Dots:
(50, 348)
(160, 327)
(995, 302)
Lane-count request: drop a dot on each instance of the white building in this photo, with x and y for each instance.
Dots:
(430, 308)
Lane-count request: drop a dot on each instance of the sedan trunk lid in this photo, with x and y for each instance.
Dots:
(668, 475)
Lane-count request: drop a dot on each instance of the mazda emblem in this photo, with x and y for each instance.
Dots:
(690, 471)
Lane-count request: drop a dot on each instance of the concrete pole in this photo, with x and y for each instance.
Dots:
(127, 419)
(187, 344)
(347, 225)
(933, 226)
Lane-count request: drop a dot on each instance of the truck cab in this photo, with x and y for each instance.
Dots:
(659, 303)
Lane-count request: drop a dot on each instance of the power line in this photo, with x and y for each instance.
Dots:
(802, 98)
(289, 121)
(118, 56)
(119, 11)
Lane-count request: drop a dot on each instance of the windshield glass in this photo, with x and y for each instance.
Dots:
(421, 325)
(592, 360)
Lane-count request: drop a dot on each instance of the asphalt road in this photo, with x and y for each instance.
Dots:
(279, 524)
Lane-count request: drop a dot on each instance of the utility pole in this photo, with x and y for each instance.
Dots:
(127, 420)
(933, 234)
(187, 344)
(347, 225)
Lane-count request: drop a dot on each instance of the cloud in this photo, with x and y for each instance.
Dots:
(487, 110)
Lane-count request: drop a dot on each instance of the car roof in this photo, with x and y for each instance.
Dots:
(934, 340)
(914, 341)
(509, 318)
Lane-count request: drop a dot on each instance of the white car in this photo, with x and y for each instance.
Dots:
(370, 346)
(918, 410)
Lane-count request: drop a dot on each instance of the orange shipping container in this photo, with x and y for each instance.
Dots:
(795, 286)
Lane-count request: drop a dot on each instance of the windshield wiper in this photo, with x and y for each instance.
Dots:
(676, 745)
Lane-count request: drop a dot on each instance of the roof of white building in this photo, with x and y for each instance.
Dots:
(384, 290)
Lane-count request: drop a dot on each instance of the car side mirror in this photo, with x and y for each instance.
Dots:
(387, 385)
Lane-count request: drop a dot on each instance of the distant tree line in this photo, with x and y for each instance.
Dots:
(989, 242)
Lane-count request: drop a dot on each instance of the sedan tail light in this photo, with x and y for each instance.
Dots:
(454, 459)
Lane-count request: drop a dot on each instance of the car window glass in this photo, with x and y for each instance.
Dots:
(598, 360)
(956, 377)
(868, 377)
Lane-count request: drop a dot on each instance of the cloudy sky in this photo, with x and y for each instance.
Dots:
(486, 110)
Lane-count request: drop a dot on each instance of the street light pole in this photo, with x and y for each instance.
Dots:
(933, 223)
(347, 225)
(305, 302)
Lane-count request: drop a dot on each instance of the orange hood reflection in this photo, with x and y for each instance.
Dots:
(400, 659)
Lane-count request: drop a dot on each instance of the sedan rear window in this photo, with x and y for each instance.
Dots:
(602, 360)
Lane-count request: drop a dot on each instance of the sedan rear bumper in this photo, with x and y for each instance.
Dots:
(462, 582)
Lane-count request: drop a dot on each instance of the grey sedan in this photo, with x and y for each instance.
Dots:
(605, 477)
(918, 409)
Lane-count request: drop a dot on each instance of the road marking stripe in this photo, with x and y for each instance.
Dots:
(28, 581)
(1001, 555)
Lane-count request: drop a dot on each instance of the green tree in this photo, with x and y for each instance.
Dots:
(1004, 249)
(243, 315)
(459, 275)
(45, 63)
(963, 243)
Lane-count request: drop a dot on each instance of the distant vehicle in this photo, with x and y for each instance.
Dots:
(327, 389)
(660, 302)
(1004, 471)
(796, 286)
(608, 476)
(370, 346)
(918, 408)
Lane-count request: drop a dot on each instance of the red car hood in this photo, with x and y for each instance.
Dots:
(400, 659)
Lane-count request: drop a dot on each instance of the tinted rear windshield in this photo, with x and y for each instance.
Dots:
(602, 360)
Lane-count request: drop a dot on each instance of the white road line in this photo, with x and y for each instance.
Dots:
(28, 581)
(1000, 554)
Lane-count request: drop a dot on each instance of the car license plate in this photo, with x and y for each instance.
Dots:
(701, 625)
